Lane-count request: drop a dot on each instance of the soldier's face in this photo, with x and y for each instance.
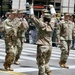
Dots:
(20, 15)
(12, 15)
(46, 19)
(66, 17)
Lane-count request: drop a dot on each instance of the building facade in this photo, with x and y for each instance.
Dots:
(40, 4)
(5, 5)
(60, 5)
(67, 6)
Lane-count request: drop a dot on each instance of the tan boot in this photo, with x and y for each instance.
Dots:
(17, 63)
(10, 67)
(63, 65)
(41, 74)
(49, 73)
(7, 67)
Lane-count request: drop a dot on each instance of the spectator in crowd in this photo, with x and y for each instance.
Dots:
(33, 33)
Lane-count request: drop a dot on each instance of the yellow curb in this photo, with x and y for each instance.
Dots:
(13, 73)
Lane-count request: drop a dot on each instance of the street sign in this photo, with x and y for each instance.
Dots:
(19, 4)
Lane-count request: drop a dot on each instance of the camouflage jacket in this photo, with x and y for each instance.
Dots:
(44, 30)
(65, 30)
(23, 27)
(11, 25)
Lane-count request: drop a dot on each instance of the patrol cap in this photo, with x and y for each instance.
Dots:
(20, 11)
(66, 14)
(14, 11)
(46, 13)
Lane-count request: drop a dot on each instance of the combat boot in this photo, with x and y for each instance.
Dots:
(41, 73)
(63, 65)
(17, 63)
(7, 67)
(49, 73)
(10, 69)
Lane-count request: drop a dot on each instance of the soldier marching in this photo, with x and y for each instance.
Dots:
(15, 27)
(65, 38)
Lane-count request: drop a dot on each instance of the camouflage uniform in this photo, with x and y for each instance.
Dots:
(21, 36)
(65, 34)
(44, 45)
(10, 29)
(73, 39)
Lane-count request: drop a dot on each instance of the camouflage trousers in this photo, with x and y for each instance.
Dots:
(11, 51)
(43, 57)
(65, 47)
(19, 48)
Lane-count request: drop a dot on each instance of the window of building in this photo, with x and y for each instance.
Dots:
(57, 7)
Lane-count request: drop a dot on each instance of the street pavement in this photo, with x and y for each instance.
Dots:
(28, 64)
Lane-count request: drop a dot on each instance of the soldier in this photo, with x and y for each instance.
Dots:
(73, 34)
(65, 27)
(9, 26)
(21, 35)
(44, 41)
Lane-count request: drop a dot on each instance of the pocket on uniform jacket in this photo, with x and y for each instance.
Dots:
(48, 29)
(44, 48)
(61, 38)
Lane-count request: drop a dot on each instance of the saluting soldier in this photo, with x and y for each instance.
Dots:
(44, 42)
(65, 32)
(10, 26)
(20, 34)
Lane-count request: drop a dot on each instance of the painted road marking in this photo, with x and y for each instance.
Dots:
(36, 69)
(29, 49)
(12, 73)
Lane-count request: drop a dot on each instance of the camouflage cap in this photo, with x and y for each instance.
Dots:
(46, 13)
(14, 11)
(45, 10)
(20, 11)
(66, 14)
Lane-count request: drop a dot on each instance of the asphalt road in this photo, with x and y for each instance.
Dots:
(28, 64)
